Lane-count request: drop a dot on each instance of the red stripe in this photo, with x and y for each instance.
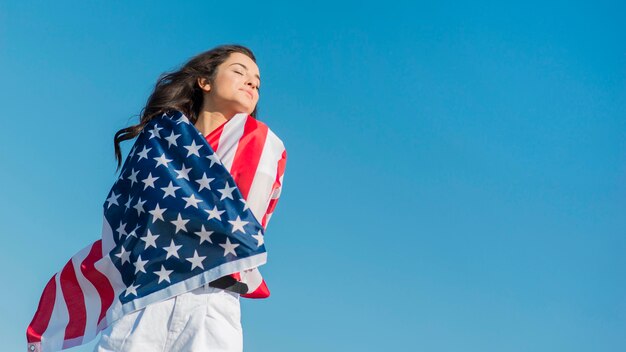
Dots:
(261, 292)
(75, 302)
(97, 279)
(248, 154)
(40, 321)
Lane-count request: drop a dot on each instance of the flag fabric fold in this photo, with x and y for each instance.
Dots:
(180, 215)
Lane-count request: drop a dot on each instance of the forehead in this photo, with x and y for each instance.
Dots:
(239, 58)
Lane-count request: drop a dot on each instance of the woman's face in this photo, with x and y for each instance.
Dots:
(236, 86)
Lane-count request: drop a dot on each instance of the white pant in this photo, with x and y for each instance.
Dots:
(205, 319)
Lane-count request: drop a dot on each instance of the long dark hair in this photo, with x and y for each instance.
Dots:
(179, 90)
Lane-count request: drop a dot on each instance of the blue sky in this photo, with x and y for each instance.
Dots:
(456, 174)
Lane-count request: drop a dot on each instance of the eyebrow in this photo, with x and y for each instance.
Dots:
(244, 66)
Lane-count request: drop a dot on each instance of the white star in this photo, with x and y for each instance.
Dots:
(144, 153)
(238, 224)
(149, 181)
(204, 235)
(259, 239)
(214, 213)
(132, 289)
(193, 149)
(162, 160)
(196, 261)
(214, 159)
(150, 239)
(180, 224)
(139, 206)
(169, 190)
(227, 192)
(182, 118)
(183, 173)
(192, 201)
(127, 205)
(172, 250)
(123, 255)
(113, 199)
(139, 265)
(245, 205)
(133, 177)
(132, 151)
(122, 229)
(133, 233)
(204, 182)
(164, 275)
(157, 213)
(154, 132)
(172, 139)
(229, 247)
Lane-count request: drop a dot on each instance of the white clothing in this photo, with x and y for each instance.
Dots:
(205, 319)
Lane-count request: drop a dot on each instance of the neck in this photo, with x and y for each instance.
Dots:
(208, 121)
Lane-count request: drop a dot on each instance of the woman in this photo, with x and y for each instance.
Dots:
(210, 89)
(211, 101)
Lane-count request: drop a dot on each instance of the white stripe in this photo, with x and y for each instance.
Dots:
(265, 176)
(52, 338)
(252, 278)
(108, 243)
(90, 294)
(229, 139)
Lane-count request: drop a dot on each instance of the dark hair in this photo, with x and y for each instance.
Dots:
(179, 90)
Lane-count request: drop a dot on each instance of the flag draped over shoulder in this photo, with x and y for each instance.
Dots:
(186, 210)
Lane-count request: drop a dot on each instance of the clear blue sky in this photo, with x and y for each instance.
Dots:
(456, 178)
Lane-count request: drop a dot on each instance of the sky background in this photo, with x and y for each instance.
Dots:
(456, 173)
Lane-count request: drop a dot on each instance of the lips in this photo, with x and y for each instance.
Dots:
(249, 93)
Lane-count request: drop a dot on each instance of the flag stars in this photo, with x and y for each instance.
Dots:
(123, 255)
(214, 159)
(245, 205)
(133, 177)
(238, 224)
(139, 206)
(205, 236)
(183, 172)
(144, 153)
(259, 239)
(227, 192)
(113, 199)
(204, 182)
(149, 181)
(149, 239)
(196, 261)
(139, 265)
(154, 132)
(193, 149)
(157, 213)
(164, 275)
(192, 201)
(214, 213)
(170, 190)
(162, 160)
(132, 289)
(229, 247)
(172, 250)
(180, 224)
(171, 140)
(121, 230)
(182, 118)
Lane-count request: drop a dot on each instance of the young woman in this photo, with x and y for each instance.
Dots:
(211, 100)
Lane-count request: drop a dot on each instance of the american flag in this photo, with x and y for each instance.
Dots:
(187, 209)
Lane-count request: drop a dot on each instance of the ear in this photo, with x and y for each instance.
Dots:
(204, 84)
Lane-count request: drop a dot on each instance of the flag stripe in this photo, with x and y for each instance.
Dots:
(74, 300)
(54, 334)
(40, 321)
(249, 150)
(229, 140)
(276, 189)
(97, 279)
